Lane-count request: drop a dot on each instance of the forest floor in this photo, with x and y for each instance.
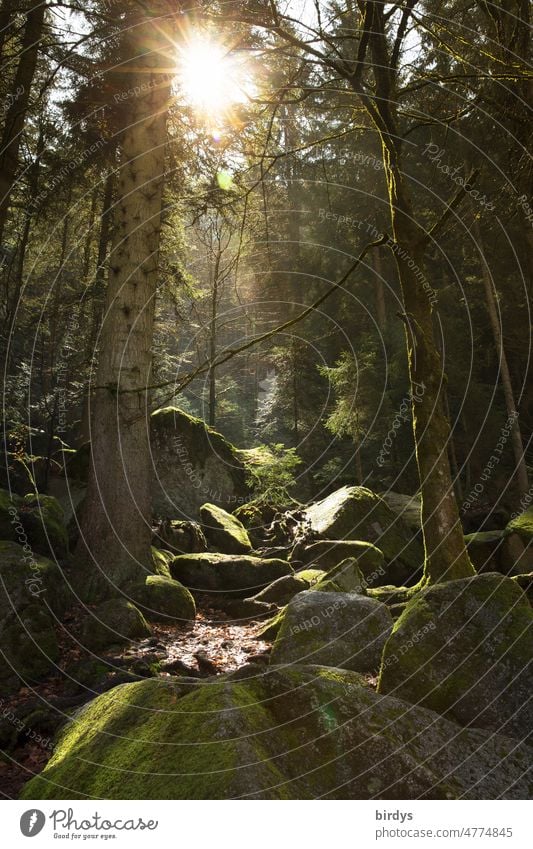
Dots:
(212, 645)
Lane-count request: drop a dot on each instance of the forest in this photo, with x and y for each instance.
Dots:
(266, 480)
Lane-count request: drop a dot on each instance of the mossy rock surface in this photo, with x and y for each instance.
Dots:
(227, 573)
(357, 513)
(161, 561)
(346, 578)
(37, 520)
(30, 598)
(326, 554)
(162, 599)
(484, 549)
(283, 589)
(522, 525)
(334, 629)
(298, 733)
(465, 649)
(224, 531)
(111, 623)
(180, 536)
(525, 582)
(194, 464)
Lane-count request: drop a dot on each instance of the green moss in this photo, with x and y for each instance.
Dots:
(224, 531)
(113, 622)
(164, 599)
(161, 562)
(522, 525)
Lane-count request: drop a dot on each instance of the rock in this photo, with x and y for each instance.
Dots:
(193, 464)
(163, 599)
(181, 537)
(112, 622)
(516, 558)
(270, 629)
(522, 525)
(344, 578)
(333, 629)
(525, 582)
(327, 554)
(300, 733)
(30, 598)
(407, 507)
(34, 519)
(464, 648)
(357, 513)
(227, 573)
(484, 549)
(224, 531)
(283, 589)
(161, 561)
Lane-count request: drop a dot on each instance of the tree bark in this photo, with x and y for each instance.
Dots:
(16, 114)
(116, 522)
(521, 474)
(446, 557)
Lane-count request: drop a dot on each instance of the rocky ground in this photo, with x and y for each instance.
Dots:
(297, 641)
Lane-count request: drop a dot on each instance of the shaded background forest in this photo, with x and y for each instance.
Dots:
(266, 199)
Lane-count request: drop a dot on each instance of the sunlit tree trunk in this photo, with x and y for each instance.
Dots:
(116, 524)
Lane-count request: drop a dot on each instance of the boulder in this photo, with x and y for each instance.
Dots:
(326, 554)
(408, 507)
(227, 573)
(34, 519)
(344, 578)
(525, 582)
(484, 550)
(357, 513)
(181, 537)
(300, 733)
(162, 599)
(464, 648)
(516, 557)
(224, 531)
(193, 464)
(161, 561)
(283, 589)
(30, 597)
(111, 623)
(333, 629)
(522, 525)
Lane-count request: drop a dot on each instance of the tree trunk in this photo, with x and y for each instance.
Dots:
(116, 523)
(505, 374)
(446, 557)
(16, 114)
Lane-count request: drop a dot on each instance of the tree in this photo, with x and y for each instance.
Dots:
(116, 523)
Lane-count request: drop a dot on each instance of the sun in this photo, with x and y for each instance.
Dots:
(211, 79)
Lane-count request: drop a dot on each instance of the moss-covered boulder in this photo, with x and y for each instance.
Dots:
(224, 531)
(30, 599)
(465, 649)
(522, 525)
(344, 578)
(162, 599)
(484, 550)
(227, 573)
(357, 513)
(193, 464)
(299, 733)
(525, 582)
(180, 536)
(161, 561)
(334, 629)
(408, 507)
(34, 519)
(283, 589)
(111, 623)
(326, 554)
